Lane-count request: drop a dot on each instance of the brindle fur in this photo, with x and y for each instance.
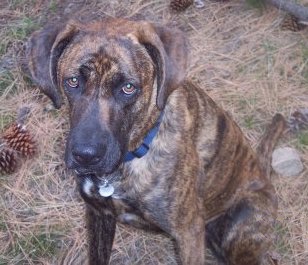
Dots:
(200, 182)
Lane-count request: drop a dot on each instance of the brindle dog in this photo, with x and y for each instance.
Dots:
(198, 181)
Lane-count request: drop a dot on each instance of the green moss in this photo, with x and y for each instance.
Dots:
(258, 4)
(22, 29)
(282, 245)
(3, 261)
(53, 6)
(2, 224)
(269, 46)
(36, 246)
(305, 62)
(249, 122)
(303, 139)
(5, 120)
(6, 82)
(17, 4)
(2, 48)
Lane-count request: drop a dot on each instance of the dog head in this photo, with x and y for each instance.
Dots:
(116, 74)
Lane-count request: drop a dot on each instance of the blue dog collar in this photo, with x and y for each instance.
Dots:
(145, 146)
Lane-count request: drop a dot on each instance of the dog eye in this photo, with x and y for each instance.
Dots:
(129, 89)
(72, 82)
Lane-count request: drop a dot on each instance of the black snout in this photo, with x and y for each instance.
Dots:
(95, 151)
(99, 156)
(92, 147)
(86, 155)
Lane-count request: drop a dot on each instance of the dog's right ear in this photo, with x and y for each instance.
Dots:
(168, 49)
(43, 52)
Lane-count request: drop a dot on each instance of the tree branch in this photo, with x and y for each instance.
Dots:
(299, 11)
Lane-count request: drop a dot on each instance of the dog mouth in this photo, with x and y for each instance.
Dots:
(84, 172)
(101, 170)
(97, 175)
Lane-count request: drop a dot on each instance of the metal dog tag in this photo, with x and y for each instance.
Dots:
(106, 191)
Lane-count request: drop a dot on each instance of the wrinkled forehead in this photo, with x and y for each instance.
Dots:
(87, 46)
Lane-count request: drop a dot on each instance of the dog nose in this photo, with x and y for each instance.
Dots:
(87, 155)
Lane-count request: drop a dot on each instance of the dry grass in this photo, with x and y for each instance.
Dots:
(239, 56)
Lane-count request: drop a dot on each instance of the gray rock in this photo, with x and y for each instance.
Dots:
(199, 3)
(286, 162)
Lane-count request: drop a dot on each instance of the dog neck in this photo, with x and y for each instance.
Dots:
(145, 145)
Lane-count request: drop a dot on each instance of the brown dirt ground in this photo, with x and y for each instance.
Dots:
(239, 55)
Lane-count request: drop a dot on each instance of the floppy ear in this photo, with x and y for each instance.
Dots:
(43, 51)
(168, 50)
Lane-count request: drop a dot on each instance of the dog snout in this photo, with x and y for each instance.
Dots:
(99, 154)
(86, 155)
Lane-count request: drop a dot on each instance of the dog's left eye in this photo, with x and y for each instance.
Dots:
(129, 89)
(72, 82)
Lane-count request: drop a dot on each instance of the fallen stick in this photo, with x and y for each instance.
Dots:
(297, 10)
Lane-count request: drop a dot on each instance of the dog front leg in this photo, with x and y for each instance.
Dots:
(190, 244)
(101, 230)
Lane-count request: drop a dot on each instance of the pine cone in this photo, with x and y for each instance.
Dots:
(180, 5)
(291, 23)
(19, 139)
(8, 161)
(298, 120)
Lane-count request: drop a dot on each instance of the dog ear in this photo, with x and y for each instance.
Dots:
(43, 51)
(168, 50)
